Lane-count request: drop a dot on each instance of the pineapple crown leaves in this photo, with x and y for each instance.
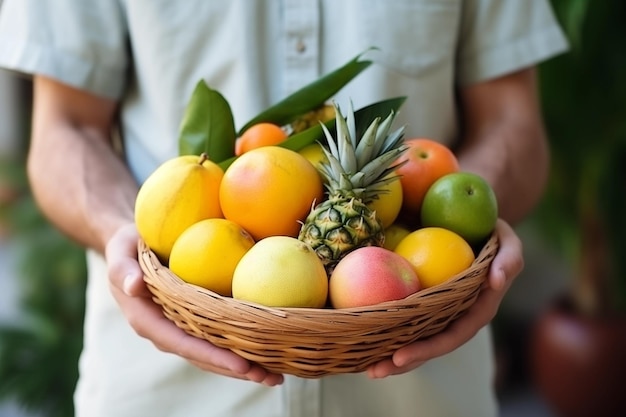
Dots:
(360, 165)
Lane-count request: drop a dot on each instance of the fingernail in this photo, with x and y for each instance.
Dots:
(129, 282)
(399, 362)
(500, 280)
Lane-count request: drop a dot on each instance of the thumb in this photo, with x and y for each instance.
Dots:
(123, 269)
(509, 260)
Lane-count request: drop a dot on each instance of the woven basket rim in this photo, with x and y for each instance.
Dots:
(485, 255)
(314, 342)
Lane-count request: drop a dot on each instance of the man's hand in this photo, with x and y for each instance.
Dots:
(147, 319)
(507, 264)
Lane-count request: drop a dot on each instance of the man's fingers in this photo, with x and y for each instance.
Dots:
(507, 264)
(256, 374)
(458, 333)
(434, 347)
(509, 260)
(387, 368)
(134, 286)
(148, 321)
(123, 269)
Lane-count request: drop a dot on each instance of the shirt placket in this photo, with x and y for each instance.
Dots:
(302, 35)
(301, 29)
(301, 19)
(302, 397)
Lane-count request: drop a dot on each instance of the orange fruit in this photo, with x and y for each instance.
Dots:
(437, 254)
(260, 134)
(208, 251)
(269, 191)
(428, 160)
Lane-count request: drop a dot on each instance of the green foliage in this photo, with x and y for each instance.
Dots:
(363, 118)
(39, 353)
(584, 103)
(311, 96)
(208, 124)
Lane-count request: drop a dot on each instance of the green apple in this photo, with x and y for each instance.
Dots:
(462, 202)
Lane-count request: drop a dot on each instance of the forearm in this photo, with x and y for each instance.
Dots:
(514, 159)
(81, 185)
(504, 141)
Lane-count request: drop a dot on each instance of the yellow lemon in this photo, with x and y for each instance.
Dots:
(389, 202)
(281, 271)
(179, 193)
(436, 254)
(207, 252)
(394, 234)
(314, 154)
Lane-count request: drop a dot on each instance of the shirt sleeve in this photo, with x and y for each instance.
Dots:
(80, 43)
(498, 37)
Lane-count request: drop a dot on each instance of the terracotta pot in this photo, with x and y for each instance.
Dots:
(578, 364)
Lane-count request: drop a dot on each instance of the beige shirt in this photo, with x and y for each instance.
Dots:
(150, 54)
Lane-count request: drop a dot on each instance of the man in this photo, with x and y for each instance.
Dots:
(467, 70)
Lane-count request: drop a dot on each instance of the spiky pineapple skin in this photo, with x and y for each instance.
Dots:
(339, 225)
(356, 166)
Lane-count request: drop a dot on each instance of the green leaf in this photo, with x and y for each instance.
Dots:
(207, 126)
(363, 117)
(302, 139)
(312, 95)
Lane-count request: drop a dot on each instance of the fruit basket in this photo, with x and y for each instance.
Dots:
(307, 342)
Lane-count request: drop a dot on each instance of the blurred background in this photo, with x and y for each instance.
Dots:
(561, 332)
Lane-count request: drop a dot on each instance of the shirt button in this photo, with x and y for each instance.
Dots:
(300, 46)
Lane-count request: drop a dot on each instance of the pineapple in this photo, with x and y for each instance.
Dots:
(356, 169)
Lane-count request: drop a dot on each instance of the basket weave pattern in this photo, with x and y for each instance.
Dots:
(307, 342)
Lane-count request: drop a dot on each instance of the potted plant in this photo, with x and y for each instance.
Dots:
(583, 214)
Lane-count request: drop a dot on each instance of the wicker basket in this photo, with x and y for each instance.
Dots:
(307, 342)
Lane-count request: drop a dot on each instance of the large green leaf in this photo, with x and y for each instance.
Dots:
(310, 96)
(362, 117)
(207, 125)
